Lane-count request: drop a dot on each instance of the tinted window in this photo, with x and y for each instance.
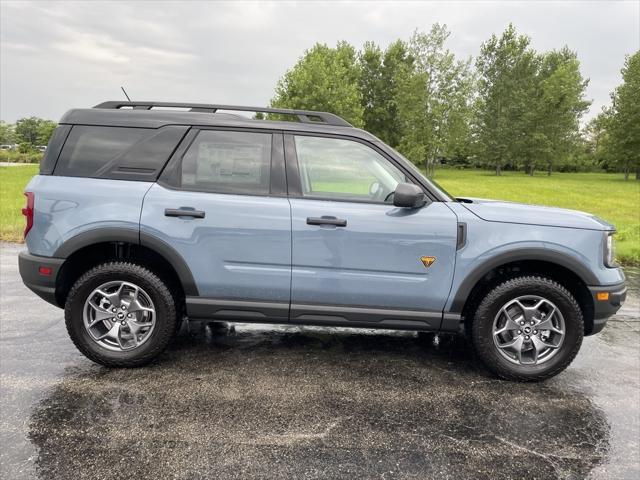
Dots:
(118, 153)
(343, 169)
(88, 149)
(56, 142)
(228, 162)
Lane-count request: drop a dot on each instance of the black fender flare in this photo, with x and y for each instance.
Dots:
(174, 258)
(461, 295)
(133, 236)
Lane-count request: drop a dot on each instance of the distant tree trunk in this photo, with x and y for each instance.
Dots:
(638, 173)
(626, 172)
(497, 169)
(549, 170)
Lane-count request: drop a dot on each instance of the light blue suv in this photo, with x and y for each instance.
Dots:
(146, 212)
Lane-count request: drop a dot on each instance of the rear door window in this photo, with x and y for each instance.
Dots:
(228, 162)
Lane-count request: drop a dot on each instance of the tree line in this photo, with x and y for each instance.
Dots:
(512, 108)
(27, 133)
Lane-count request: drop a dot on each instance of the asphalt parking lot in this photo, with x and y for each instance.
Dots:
(287, 402)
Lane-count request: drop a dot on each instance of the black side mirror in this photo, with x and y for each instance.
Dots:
(408, 195)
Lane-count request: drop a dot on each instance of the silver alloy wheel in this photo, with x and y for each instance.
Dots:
(528, 330)
(119, 316)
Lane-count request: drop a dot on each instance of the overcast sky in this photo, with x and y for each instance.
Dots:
(56, 56)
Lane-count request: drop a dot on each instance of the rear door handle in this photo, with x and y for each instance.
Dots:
(337, 222)
(183, 212)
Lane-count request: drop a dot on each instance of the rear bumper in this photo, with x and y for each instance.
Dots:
(603, 309)
(42, 285)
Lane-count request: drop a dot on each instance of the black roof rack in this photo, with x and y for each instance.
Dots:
(304, 116)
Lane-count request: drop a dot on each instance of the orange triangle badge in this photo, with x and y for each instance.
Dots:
(427, 261)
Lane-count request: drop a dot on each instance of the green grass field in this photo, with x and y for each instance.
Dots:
(605, 195)
(12, 183)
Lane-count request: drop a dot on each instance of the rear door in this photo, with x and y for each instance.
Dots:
(221, 204)
(357, 259)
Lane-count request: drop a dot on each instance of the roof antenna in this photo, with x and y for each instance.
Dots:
(125, 93)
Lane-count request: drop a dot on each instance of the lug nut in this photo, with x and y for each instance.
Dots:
(531, 323)
(129, 315)
(521, 323)
(123, 322)
(519, 332)
(526, 337)
(535, 332)
(114, 309)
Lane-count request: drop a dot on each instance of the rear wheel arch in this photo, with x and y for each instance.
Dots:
(84, 253)
(565, 271)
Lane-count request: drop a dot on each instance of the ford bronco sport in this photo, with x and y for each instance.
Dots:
(145, 213)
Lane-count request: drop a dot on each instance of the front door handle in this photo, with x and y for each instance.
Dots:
(183, 212)
(337, 222)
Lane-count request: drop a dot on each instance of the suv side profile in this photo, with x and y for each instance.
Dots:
(142, 216)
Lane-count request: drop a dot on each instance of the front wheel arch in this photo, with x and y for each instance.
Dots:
(469, 296)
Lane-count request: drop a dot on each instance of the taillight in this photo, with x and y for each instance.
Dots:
(27, 211)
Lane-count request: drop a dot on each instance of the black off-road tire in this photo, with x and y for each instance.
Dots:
(481, 331)
(163, 300)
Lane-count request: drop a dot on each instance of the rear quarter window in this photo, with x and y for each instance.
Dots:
(117, 152)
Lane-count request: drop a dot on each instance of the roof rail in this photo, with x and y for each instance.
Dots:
(304, 116)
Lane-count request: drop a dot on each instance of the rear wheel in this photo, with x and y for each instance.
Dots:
(528, 328)
(120, 314)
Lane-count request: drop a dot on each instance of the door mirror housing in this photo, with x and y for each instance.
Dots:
(408, 195)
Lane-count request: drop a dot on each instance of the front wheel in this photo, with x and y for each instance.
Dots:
(528, 328)
(120, 314)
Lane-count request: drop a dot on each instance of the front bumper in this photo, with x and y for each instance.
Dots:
(43, 285)
(603, 308)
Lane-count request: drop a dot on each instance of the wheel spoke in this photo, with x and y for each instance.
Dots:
(547, 324)
(515, 345)
(122, 341)
(135, 306)
(101, 314)
(510, 323)
(112, 333)
(539, 344)
(136, 326)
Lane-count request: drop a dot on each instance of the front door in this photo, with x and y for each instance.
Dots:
(218, 205)
(357, 259)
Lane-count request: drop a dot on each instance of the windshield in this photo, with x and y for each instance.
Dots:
(432, 183)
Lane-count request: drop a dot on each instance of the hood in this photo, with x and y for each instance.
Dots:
(501, 211)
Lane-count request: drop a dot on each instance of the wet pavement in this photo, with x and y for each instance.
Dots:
(288, 402)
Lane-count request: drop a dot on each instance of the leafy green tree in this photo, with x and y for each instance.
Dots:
(506, 68)
(7, 133)
(45, 131)
(529, 104)
(324, 79)
(623, 144)
(433, 99)
(594, 139)
(557, 108)
(380, 86)
(28, 129)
